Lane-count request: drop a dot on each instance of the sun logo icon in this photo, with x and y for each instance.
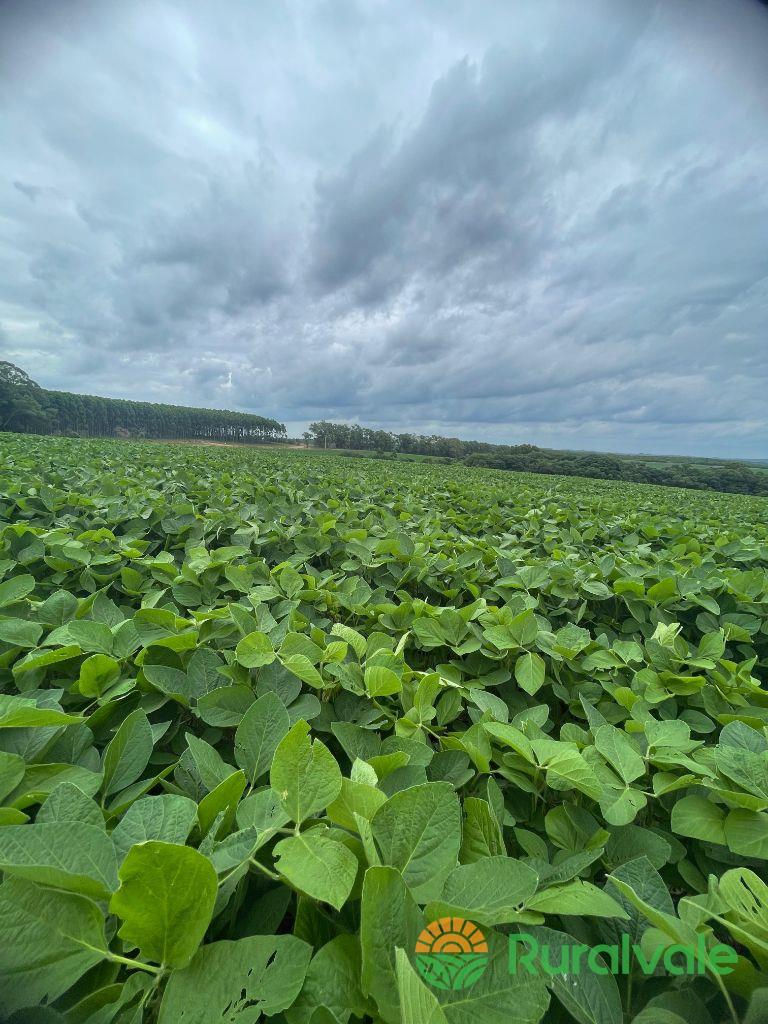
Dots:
(451, 953)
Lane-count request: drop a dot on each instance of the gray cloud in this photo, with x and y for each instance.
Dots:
(541, 221)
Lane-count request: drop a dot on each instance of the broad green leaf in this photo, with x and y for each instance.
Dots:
(237, 982)
(498, 996)
(165, 901)
(168, 818)
(566, 768)
(48, 940)
(221, 800)
(488, 891)
(589, 997)
(698, 818)
(418, 831)
(66, 855)
(12, 768)
(258, 735)
(69, 803)
(20, 632)
(389, 917)
(577, 898)
(618, 751)
(666, 922)
(211, 766)
(481, 834)
(262, 810)
(746, 768)
(417, 1003)
(97, 673)
(355, 798)
(530, 672)
(16, 589)
(746, 833)
(320, 866)
(127, 753)
(255, 650)
(381, 681)
(21, 713)
(332, 983)
(304, 774)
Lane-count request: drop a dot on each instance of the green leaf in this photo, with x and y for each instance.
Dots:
(497, 997)
(22, 713)
(128, 752)
(261, 810)
(225, 705)
(255, 650)
(577, 898)
(381, 681)
(67, 802)
(589, 997)
(304, 774)
(165, 901)
(173, 683)
(224, 798)
(332, 982)
(15, 589)
(699, 818)
(237, 982)
(210, 765)
(355, 798)
(746, 833)
(90, 636)
(523, 628)
(48, 940)
(418, 831)
(389, 917)
(20, 632)
(481, 833)
(97, 673)
(12, 768)
(567, 768)
(530, 672)
(320, 866)
(757, 1011)
(621, 806)
(168, 817)
(645, 898)
(489, 891)
(66, 855)
(259, 734)
(417, 1004)
(617, 749)
(746, 768)
(355, 640)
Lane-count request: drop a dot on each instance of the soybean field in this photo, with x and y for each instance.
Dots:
(266, 716)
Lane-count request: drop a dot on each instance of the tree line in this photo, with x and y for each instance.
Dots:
(25, 407)
(352, 436)
(732, 477)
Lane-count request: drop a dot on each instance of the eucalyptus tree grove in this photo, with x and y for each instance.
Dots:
(27, 408)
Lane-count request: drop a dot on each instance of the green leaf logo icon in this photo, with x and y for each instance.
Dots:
(451, 953)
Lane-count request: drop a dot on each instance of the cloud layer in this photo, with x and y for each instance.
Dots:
(539, 221)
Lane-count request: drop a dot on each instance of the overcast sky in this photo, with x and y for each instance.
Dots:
(540, 221)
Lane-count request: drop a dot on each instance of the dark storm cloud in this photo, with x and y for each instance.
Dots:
(534, 221)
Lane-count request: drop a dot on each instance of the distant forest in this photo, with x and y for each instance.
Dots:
(25, 407)
(705, 474)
